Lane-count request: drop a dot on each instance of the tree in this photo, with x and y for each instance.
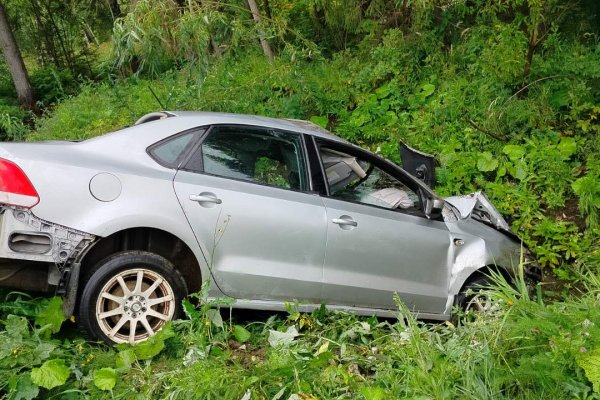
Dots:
(263, 41)
(13, 58)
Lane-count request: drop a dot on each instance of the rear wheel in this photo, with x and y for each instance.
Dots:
(130, 296)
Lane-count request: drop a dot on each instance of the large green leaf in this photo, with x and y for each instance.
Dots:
(241, 334)
(105, 378)
(567, 147)
(320, 120)
(590, 363)
(150, 347)
(514, 151)
(277, 338)
(486, 162)
(426, 90)
(16, 327)
(51, 374)
(22, 388)
(125, 358)
(51, 315)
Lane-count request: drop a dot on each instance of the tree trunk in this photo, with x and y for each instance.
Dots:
(13, 58)
(263, 42)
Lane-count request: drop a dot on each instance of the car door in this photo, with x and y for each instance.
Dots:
(246, 194)
(379, 241)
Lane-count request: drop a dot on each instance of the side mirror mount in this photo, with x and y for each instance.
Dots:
(434, 207)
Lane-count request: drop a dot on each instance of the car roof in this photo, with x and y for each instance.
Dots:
(296, 125)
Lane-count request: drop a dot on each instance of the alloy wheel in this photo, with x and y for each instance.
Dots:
(134, 304)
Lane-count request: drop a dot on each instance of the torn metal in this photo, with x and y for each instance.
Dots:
(31, 248)
(479, 207)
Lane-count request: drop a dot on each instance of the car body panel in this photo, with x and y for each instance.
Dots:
(272, 246)
(387, 252)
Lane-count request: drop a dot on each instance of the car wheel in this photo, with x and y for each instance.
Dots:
(474, 298)
(130, 296)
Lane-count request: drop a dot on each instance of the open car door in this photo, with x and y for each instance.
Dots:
(418, 164)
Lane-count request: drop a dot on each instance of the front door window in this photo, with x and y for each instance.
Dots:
(354, 179)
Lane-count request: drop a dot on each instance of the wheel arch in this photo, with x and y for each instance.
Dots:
(153, 240)
(487, 271)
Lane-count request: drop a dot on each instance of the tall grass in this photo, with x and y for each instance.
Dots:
(526, 350)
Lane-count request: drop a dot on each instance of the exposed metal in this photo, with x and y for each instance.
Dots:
(478, 206)
(24, 236)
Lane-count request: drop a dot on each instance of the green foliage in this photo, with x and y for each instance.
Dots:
(587, 189)
(525, 350)
(505, 94)
(51, 317)
(51, 84)
(51, 374)
(105, 378)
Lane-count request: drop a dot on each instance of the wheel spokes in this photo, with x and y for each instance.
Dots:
(156, 314)
(112, 297)
(123, 285)
(144, 302)
(153, 302)
(118, 326)
(132, 328)
(138, 282)
(111, 313)
(147, 326)
(152, 287)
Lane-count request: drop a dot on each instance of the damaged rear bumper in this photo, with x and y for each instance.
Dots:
(38, 255)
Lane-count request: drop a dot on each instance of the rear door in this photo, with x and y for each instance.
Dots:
(378, 240)
(246, 194)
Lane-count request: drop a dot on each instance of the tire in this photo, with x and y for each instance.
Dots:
(473, 300)
(129, 297)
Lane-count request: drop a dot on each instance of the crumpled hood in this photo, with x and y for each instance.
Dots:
(479, 207)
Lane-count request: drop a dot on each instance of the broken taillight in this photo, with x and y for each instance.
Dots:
(15, 188)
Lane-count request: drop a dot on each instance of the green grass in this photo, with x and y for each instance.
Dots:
(526, 350)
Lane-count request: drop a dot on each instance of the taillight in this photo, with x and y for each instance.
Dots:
(15, 187)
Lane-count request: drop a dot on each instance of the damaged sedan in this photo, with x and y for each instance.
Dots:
(126, 225)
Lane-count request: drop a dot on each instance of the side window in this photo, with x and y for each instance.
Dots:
(169, 152)
(255, 155)
(354, 179)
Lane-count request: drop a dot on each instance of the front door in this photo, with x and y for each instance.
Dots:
(246, 195)
(378, 240)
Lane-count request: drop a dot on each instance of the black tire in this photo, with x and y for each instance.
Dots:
(466, 299)
(151, 296)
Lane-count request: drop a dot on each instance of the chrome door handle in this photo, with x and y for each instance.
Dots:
(345, 221)
(205, 198)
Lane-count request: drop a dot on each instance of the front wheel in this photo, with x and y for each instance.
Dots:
(130, 296)
(475, 298)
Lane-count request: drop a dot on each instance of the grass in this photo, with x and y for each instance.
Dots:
(527, 350)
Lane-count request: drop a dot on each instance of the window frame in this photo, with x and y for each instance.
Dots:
(198, 168)
(197, 132)
(385, 165)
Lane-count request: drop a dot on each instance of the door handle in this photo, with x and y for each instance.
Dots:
(345, 221)
(205, 197)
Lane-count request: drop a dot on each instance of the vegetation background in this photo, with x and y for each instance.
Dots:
(506, 94)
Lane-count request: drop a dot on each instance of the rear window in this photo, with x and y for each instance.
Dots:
(170, 152)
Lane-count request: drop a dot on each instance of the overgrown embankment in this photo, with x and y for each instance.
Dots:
(506, 94)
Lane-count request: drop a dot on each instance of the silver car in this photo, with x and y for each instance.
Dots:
(125, 225)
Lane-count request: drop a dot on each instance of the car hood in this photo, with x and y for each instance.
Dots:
(478, 206)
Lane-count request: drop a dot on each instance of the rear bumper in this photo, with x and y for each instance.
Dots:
(34, 253)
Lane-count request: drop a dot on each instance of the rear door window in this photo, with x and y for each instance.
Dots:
(255, 155)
